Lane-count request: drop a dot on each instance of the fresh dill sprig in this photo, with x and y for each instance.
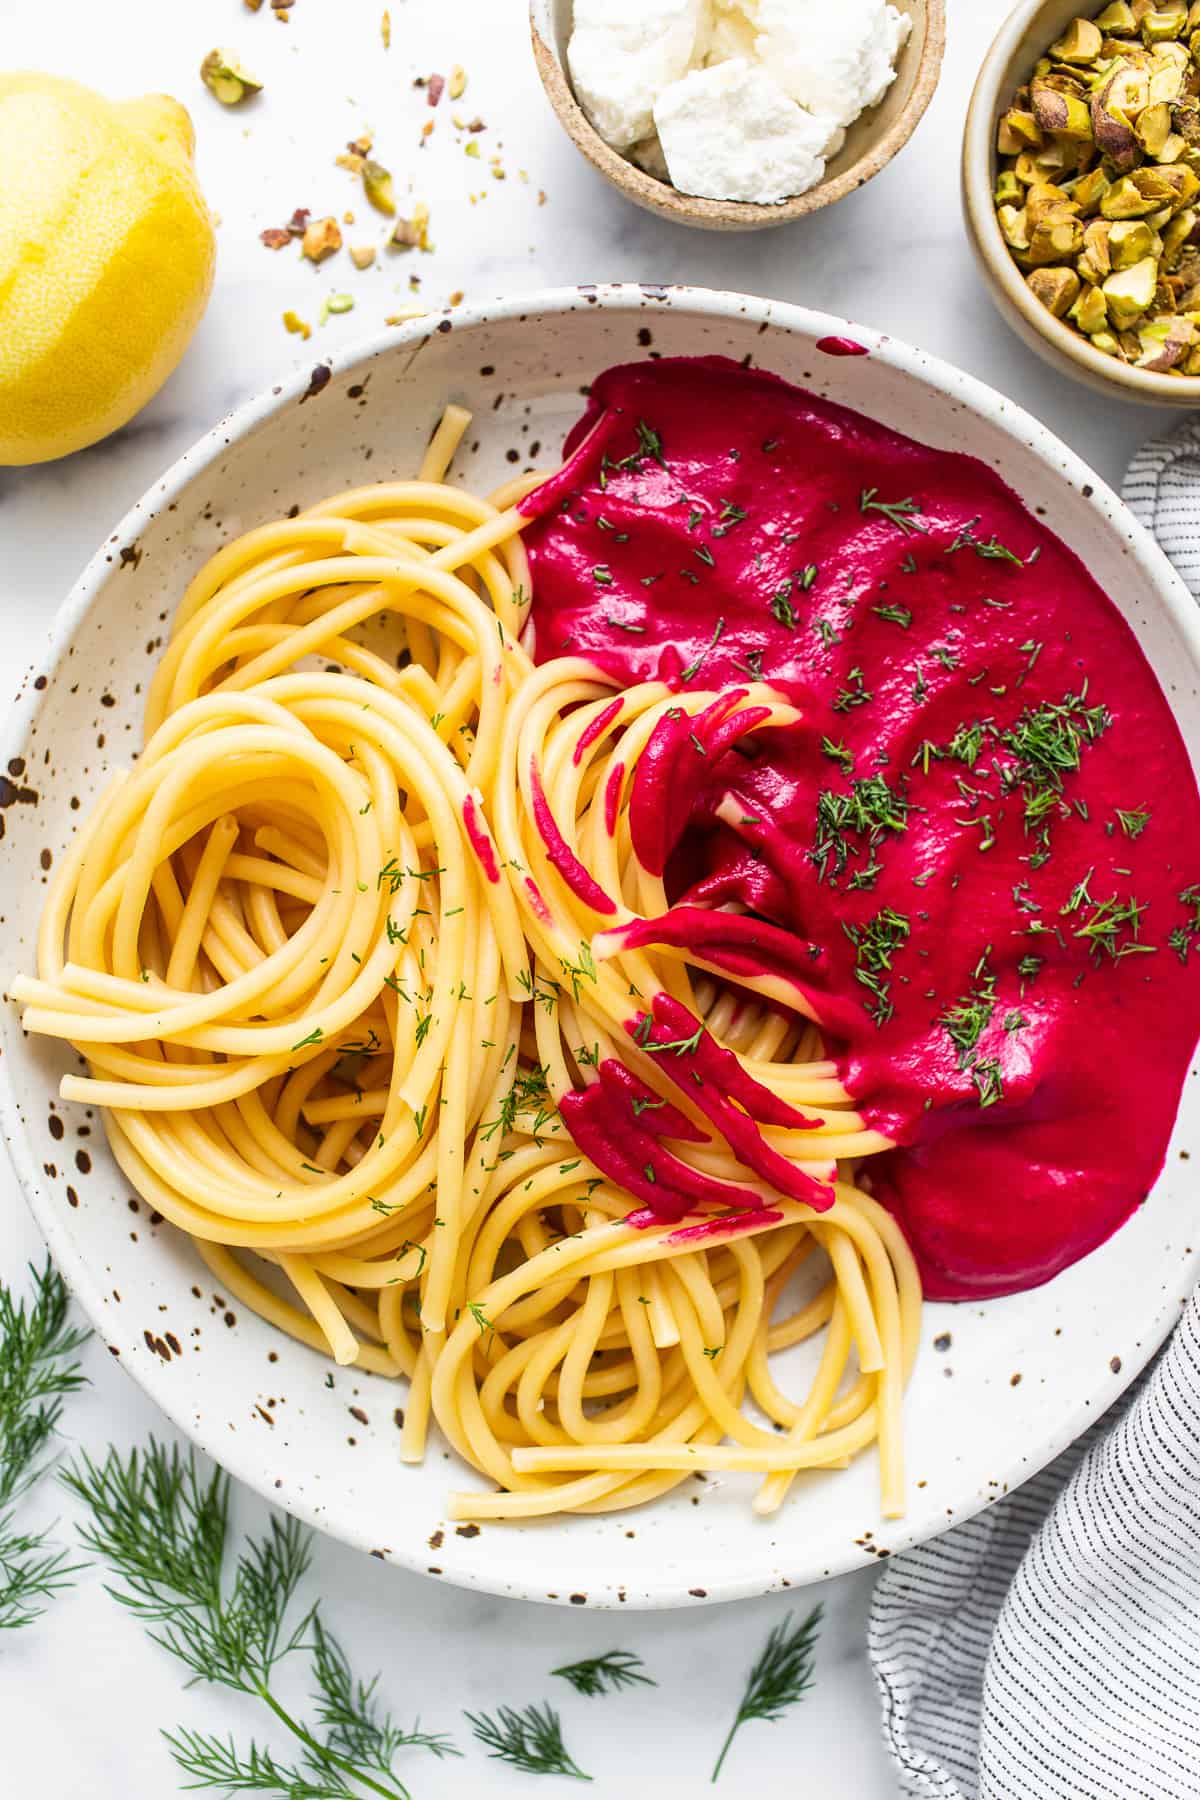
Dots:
(37, 1367)
(605, 1674)
(780, 1678)
(162, 1527)
(214, 1762)
(530, 1740)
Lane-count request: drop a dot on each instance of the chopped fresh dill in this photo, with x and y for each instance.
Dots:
(530, 1740)
(606, 1674)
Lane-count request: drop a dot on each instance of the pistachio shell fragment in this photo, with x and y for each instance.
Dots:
(228, 79)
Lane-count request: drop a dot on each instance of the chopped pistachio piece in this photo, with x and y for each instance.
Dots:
(1090, 312)
(1165, 21)
(1125, 200)
(1164, 343)
(377, 185)
(1089, 190)
(228, 79)
(1015, 227)
(1130, 241)
(362, 255)
(1018, 130)
(321, 239)
(1057, 289)
(1097, 188)
(408, 234)
(1064, 115)
(1166, 80)
(1079, 43)
(1110, 123)
(456, 87)
(1178, 232)
(1130, 292)
(1152, 128)
(1055, 238)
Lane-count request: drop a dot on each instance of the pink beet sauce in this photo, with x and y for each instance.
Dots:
(974, 855)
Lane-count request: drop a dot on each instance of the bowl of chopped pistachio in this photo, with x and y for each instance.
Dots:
(1081, 189)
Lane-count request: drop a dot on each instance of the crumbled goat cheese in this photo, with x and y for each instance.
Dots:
(731, 133)
(623, 53)
(836, 57)
(728, 33)
(634, 64)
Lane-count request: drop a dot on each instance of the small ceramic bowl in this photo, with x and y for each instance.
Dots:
(871, 141)
(1020, 41)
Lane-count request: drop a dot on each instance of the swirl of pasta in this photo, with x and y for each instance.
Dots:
(374, 969)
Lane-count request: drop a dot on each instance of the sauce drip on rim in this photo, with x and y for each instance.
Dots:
(984, 836)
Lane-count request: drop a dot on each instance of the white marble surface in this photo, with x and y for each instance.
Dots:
(82, 1695)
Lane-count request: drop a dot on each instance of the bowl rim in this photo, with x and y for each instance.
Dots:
(958, 390)
(978, 181)
(695, 209)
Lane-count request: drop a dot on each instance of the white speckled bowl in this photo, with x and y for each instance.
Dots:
(521, 365)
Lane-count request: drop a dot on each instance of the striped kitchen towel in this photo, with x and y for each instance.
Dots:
(1049, 1649)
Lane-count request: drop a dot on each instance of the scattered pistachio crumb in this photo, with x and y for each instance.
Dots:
(350, 159)
(472, 148)
(377, 185)
(408, 233)
(227, 79)
(252, 5)
(362, 255)
(294, 323)
(404, 315)
(457, 297)
(336, 303)
(321, 239)
(457, 85)
(385, 30)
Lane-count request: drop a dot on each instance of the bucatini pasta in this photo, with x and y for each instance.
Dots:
(353, 956)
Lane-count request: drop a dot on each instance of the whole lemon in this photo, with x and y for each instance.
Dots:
(106, 260)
